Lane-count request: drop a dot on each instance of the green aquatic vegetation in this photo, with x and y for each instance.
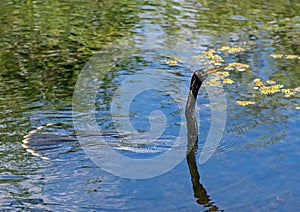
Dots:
(231, 50)
(210, 56)
(271, 87)
(237, 66)
(220, 78)
(214, 58)
(259, 87)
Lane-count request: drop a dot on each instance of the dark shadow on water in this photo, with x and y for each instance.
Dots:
(200, 192)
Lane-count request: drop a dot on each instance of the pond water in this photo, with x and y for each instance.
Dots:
(140, 57)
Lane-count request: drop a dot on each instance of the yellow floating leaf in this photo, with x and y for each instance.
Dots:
(224, 48)
(245, 103)
(231, 50)
(213, 82)
(287, 56)
(258, 82)
(209, 52)
(224, 73)
(237, 66)
(290, 56)
(269, 89)
(276, 55)
(171, 62)
(228, 81)
(287, 92)
(216, 59)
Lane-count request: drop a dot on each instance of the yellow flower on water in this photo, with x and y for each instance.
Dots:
(277, 55)
(237, 66)
(297, 108)
(245, 103)
(228, 81)
(224, 73)
(231, 50)
(171, 62)
(269, 89)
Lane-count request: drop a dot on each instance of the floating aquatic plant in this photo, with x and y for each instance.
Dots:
(171, 62)
(273, 88)
(228, 81)
(216, 59)
(224, 73)
(296, 89)
(289, 56)
(245, 103)
(269, 89)
(209, 52)
(271, 82)
(213, 82)
(287, 92)
(237, 66)
(213, 58)
(258, 83)
(231, 50)
(276, 55)
(286, 56)
(211, 55)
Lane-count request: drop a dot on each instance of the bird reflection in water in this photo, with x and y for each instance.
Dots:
(192, 133)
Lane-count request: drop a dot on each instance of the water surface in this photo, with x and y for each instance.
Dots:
(44, 47)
